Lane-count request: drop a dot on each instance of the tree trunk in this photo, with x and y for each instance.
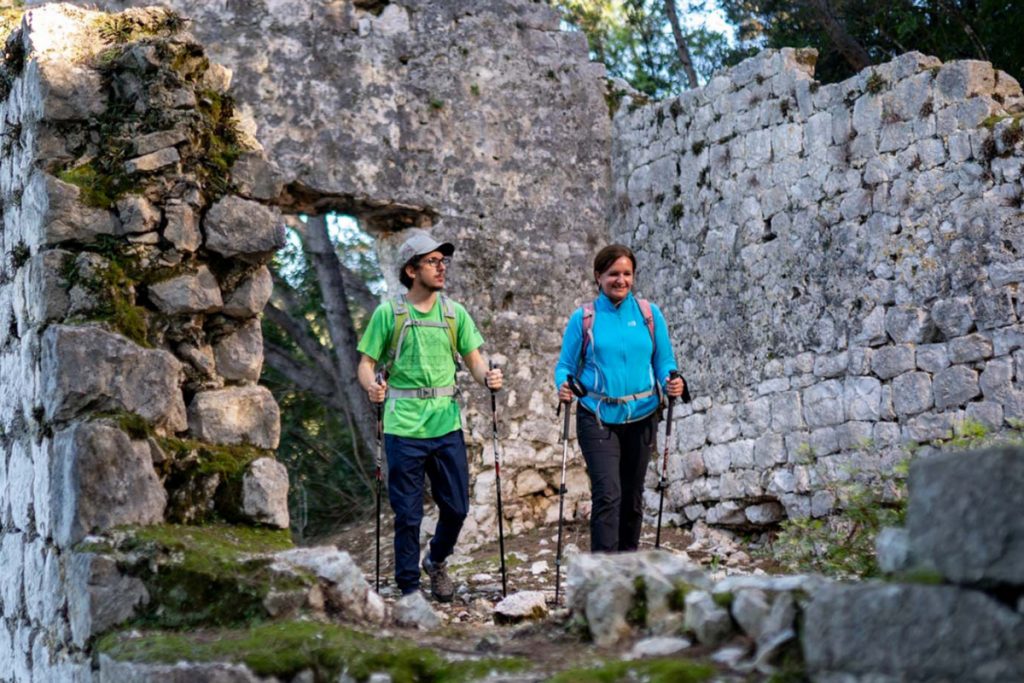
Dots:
(681, 47)
(328, 267)
(852, 51)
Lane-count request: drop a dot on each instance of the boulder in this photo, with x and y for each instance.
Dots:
(914, 633)
(707, 620)
(100, 479)
(88, 369)
(413, 611)
(249, 298)
(243, 228)
(99, 596)
(265, 492)
(345, 587)
(239, 355)
(236, 415)
(963, 516)
(521, 606)
(187, 293)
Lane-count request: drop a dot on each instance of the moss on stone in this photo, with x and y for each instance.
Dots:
(113, 285)
(286, 648)
(97, 188)
(637, 613)
(662, 670)
(677, 598)
(215, 574)
(213, 458)
(723, 599)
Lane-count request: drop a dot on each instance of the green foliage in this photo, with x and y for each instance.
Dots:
(634, 41)
(664, 670)
(113, 285)
(20, 255)
(287, 648)
(842, 545)
(723, 599)
(875, 83)
(987, 30)
(98, 188)
(637, 613)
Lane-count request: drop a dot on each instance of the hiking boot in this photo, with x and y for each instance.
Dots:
(441, 585)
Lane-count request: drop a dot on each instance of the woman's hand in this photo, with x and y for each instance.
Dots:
(565, 394)
(674, 387)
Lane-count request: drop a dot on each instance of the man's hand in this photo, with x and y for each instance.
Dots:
(674, 387)
(377, 392)
(493, 379)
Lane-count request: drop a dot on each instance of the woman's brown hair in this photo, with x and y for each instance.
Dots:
(610, 254)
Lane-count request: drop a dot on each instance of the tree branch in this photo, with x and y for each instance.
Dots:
(681, 47)
(851, 50)
(302, 376)
(299, 332)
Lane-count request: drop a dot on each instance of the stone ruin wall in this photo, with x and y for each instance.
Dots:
(131, 278)
(478, 119)
(839, 265)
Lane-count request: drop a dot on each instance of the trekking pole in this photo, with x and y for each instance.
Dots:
(663, 480)
(580, 392)
(379, 473)
(497, 484)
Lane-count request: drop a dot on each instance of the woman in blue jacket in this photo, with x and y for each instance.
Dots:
(619, 351)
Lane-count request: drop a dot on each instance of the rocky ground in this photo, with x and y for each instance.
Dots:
(551, 644)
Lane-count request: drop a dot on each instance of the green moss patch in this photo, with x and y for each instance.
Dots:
(287, 648)
(212, 575)
(664, 670)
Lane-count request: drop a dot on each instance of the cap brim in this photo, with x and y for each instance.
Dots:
(446, 248)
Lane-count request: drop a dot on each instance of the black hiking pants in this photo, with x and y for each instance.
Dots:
(617, 457)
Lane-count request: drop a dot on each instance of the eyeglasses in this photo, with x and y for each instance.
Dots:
(435, 262)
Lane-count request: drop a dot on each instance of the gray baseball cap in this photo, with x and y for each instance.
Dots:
(419, 243)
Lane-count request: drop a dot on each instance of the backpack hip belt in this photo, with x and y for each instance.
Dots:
(422, 392)
(620, 400)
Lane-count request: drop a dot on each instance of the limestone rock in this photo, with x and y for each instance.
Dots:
(962, 518)
(100, 479)
(61, 215)
(161, 139)
(243, 228)
(255, 177)
(413, 611)
(892, 548)
(709, 622)
(521, 606)
(137, 214)
(89, 369)
(239, 355)
(70, 92)
(182, 229)
(873, 632)
(188, 293)
(236, 415)
(114, 671)
(658, 646)
(265, 493)
(345, 587)
(99, 596)
(249, 298)
(152, 161)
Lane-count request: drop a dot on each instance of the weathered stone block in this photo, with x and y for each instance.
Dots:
(970, 348)
(909, 324)
(70, 92)
(930, 358)
(249, 298)
(963, 518)
(61, 216)
(912, 393)
(257, 178)
(182, 229)
(239, 355)
(236, 415)
(88, 369)
(823, 404)
(243, 228)
(153, 161)
(99, 596)
(954, 386)
(188, 293)
(137, 214)
(265, 493)
(101, 479)
(862, 397)
(873, 632)
(787, 411)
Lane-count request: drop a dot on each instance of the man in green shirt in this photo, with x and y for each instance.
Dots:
(418, 339)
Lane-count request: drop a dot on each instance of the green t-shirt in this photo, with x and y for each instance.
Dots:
(426, 361)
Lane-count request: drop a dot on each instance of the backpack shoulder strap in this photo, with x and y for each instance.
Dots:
(645, 309)
(588, 330)
(400, 317)
(451, 321)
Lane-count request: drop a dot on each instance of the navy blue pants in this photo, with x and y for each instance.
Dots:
(617, 458)
(443, 460)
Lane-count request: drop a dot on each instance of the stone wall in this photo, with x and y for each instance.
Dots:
(480, 118)
(131, 279)
(839, 266)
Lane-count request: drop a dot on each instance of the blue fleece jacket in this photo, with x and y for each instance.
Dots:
(619, 362)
